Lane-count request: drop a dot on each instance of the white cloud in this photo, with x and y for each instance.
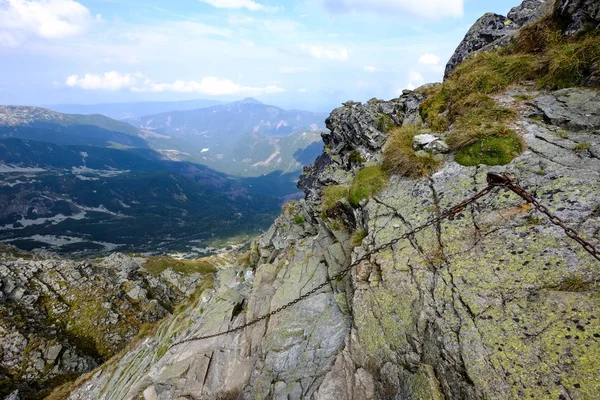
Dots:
(237, 4)
(137, 82)
(370, 68)
(421, 8)
(415, 79)
(432, 62)
(429, 59)
(302, 90)
(325, 53)
(293, 70)
(49, 19)
(108, 81)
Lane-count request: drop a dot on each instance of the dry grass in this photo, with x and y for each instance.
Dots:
(400, 158)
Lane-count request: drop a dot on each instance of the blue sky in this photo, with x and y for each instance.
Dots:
(310, 54)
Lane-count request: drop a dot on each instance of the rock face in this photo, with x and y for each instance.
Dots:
(357, 133)
(528, 11)
(578, 16)
(493, 30)
(61, 318)
(497, 303)
(489, 29)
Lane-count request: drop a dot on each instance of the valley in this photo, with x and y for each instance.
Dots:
(88, 184)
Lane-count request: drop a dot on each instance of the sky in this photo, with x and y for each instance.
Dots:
(305, 54)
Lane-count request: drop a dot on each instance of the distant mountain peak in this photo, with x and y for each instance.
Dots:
(250, 100)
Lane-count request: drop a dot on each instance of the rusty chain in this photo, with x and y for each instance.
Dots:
(506, 181)
(494, 180)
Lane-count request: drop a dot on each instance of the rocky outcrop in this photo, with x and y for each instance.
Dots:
(488, 30)
(528, 11)
(356, 134)
(578, 16)
(497, 303)
(61, 318)
(574, 109)
(492, 30)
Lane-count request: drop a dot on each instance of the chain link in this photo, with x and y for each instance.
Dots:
(494, 180)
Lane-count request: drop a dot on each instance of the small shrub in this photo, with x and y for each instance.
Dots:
(400, 158)
(356, 158)
(384, 123)
(494, 150)
(299, 220)
(288, 208)
(358, 237)
(581, 147)
(368, 182)
(331, 195)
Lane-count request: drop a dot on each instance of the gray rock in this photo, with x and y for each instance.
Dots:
(575, 109)
(421, 141)
(528, 11)
(492, 30)
(578, 16)
(13, 396)
(488, 29)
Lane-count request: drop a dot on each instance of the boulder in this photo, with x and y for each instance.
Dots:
(528, 11)
(487, 30)
(577, 16)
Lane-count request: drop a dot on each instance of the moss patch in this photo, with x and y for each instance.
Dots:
(156, 265)
(495, 150)
(368, 182)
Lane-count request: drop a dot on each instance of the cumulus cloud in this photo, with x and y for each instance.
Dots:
(421, 8)
(237, 4)
(432, 62)
(415, 79)
(49, 19)
(325, 53)
(429, 59)
(137, 82)
(107, 81)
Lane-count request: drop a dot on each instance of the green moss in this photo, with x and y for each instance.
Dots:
(384, 123)
(331, 195)
(157, 264)
(368, 182)
(492, 150)
(299, 220)
(400, 158)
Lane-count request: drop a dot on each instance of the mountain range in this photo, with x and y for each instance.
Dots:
(89, 183)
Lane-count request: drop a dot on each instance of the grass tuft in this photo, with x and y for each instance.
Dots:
(581, 147)
(368, 182)
(331, 195)
(358, 237)
(385, 123)
(400, 158)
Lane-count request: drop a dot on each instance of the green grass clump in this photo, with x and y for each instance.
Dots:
(581, 147)
(368, 182)
(299, 220)
(358, 237)
(384, 123)
(400, 158)
(356, 158)
(493, 150)
(331, 195)
(156, 265)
